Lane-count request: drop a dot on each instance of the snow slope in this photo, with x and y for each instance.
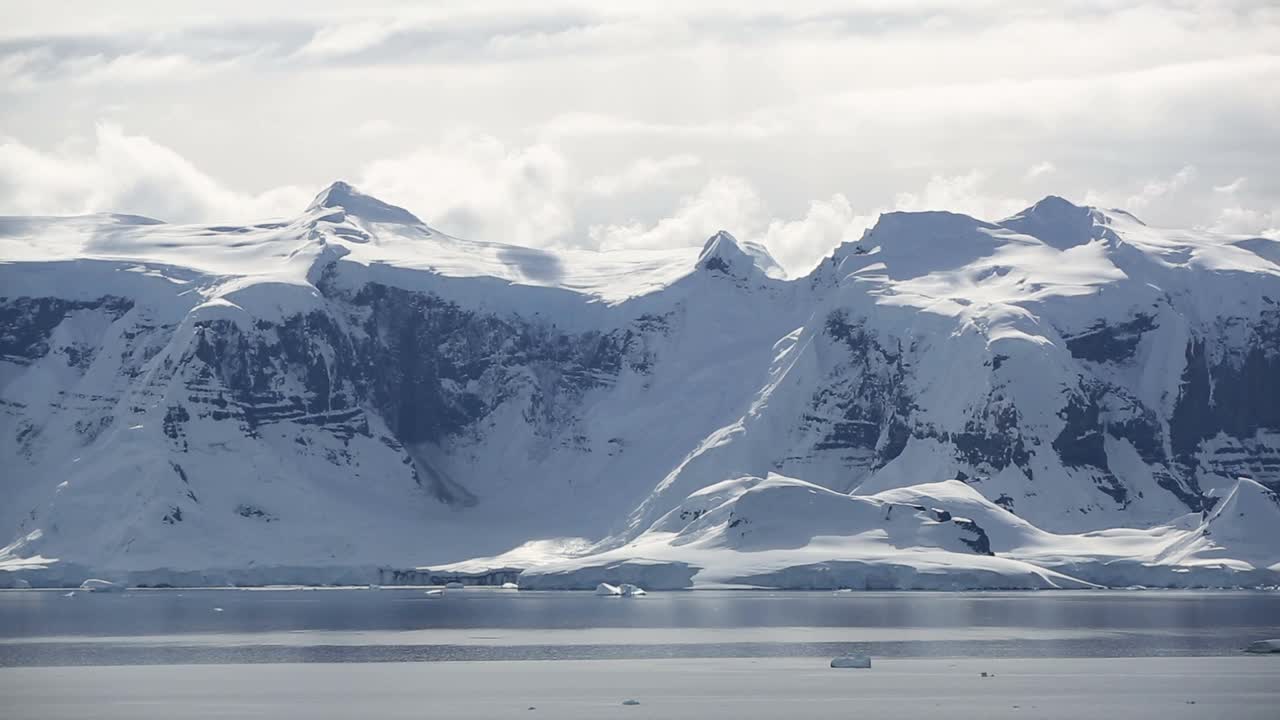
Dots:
(350, 389)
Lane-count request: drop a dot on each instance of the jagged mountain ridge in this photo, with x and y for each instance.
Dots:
(352, 387)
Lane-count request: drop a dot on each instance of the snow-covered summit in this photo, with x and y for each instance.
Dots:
(1062, 224)
(727, 255)
(368, 208)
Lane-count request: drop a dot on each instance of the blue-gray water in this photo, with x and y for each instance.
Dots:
(45, 628)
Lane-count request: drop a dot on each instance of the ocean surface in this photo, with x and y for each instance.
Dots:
(239, 626)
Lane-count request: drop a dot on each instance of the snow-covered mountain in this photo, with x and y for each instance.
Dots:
(1064, 397)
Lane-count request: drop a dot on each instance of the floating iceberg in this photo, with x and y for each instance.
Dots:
(434, 593)
(510, 586)
(607, 590)
(852, 661)
(95, 585)
(629, 590)
(1264, 646)
(455, 585)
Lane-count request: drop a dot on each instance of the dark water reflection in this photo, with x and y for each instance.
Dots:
(242, 626)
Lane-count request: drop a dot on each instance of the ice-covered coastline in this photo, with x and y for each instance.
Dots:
(941, 536)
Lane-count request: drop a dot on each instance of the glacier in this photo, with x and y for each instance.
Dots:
(1064, 398)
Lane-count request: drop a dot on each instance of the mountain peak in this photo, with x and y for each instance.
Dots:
(366, 207)
(1056, 203)
(725, 254)
(1061, 223)
(916, 241)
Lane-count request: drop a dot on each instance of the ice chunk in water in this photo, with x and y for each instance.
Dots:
(851, 661)
(96, 585)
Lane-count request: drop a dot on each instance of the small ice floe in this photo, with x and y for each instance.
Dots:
(607, 590)
(217, 609)
(454, 585)
(630, 702)
(96, 585)
(434, 593)
(629, 590)
(852, 661)
(70, 594)
(1264, 646)
(372, 586)
(844, 591)
(510, 586)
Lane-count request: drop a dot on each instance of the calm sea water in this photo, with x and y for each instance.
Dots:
(47, 628)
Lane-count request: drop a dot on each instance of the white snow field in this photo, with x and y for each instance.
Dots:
(1242, 688)
(1061, 399)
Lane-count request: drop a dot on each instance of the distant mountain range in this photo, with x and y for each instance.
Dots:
(1063, 398)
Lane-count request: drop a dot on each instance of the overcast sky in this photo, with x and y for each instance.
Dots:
(645, 124)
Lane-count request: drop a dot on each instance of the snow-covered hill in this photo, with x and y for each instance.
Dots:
(1064, 397)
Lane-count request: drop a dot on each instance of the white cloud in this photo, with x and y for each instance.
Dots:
(1040, 169)
(642, 174)
(578, 124)
(374, 128)
(17, 69)
(131, 174)
(962, 194)
(1162, 188)
(36, 69)
(1243, 221)
(724, 203)
(799, 244)
(475, 186)
(347, 38)
(1231, 187)
(478, 186)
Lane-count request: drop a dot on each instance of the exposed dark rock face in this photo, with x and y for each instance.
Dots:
(254, 513)
(980, 543)
(1110, 343)
(434, 368)
(717, 264)
(1228, 396)
(26, 325)
(866, 414)
(860, 410)
(427, 368)
(992, 440)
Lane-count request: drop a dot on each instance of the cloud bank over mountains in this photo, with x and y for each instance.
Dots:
(639, 126)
